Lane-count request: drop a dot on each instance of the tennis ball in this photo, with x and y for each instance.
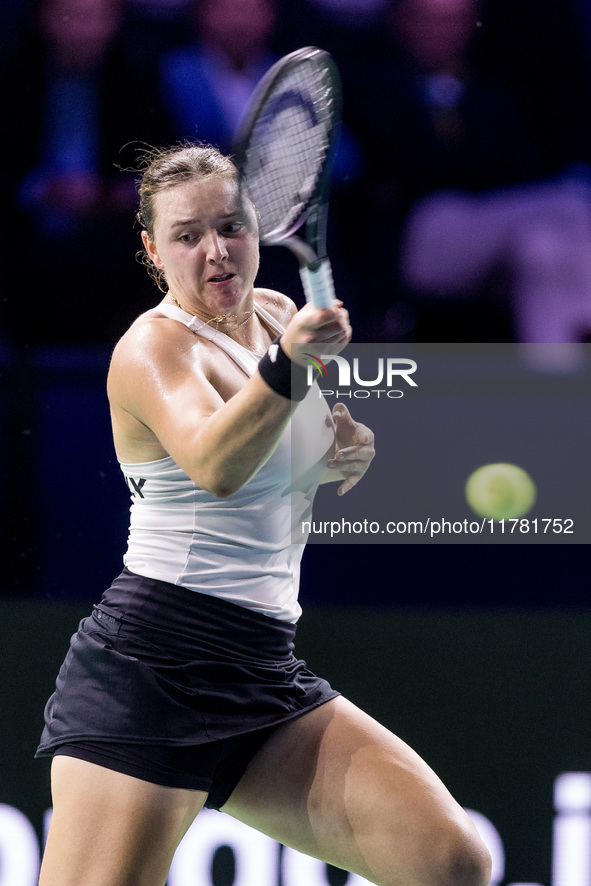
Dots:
(500, 491)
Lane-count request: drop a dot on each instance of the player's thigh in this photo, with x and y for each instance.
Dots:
(110, 829)
(337, 785)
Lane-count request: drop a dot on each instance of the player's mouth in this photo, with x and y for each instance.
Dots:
(221, 278)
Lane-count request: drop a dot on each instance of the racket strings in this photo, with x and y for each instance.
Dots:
(288, 148)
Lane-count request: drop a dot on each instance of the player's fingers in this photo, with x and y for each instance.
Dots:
(355, 461)
(326, 317)
(342, 416)
(332, 333)
(364, 436)
(358, 452)
(355, 432)
(348, 484)
(336, 337)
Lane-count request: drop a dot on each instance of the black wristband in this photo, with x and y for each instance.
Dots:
(284, 377)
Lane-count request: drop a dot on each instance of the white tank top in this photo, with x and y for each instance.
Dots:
(247, 547)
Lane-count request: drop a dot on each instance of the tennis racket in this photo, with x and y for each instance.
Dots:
(284, 150)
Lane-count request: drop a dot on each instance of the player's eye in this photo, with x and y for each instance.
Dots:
(233, 227)
(187, 238)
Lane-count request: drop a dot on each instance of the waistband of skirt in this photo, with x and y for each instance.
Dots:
(188, 617)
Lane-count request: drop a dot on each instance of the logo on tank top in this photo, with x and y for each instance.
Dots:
(135, 486)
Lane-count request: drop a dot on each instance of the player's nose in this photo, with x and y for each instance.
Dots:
(216, 247)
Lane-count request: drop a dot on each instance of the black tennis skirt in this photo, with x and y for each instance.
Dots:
(158, 664)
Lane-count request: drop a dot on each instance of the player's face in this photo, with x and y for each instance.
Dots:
(206, 241)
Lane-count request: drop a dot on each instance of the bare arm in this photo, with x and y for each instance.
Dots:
(171, 389)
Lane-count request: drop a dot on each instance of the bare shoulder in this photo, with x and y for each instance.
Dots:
(146, 339)
(159, 380)
(281, 308)
(153, 347)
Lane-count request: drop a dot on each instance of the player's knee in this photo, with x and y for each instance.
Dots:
(460, 859)
(450, 854)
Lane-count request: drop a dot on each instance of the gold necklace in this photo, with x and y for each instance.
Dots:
(219, 318)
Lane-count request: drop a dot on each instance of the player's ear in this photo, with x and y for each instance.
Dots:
(150, 248)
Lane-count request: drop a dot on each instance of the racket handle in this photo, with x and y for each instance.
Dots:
(318, 284)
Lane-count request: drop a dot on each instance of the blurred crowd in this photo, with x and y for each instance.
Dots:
(461, 205)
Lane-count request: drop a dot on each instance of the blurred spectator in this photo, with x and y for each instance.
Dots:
(491, 224)
(207, 83)
(77, 103)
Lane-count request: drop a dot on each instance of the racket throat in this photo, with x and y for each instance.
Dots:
(302, 250)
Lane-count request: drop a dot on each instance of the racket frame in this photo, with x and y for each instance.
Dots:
(311, 249)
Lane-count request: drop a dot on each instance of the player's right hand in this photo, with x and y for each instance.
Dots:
(321, 330)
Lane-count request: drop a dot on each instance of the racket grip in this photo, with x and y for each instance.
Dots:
(318, 284)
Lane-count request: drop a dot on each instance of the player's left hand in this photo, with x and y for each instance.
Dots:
(354, 448)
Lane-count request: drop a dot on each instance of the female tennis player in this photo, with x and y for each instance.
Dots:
(182, 689)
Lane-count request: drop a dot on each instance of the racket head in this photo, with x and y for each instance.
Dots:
(285, 144)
